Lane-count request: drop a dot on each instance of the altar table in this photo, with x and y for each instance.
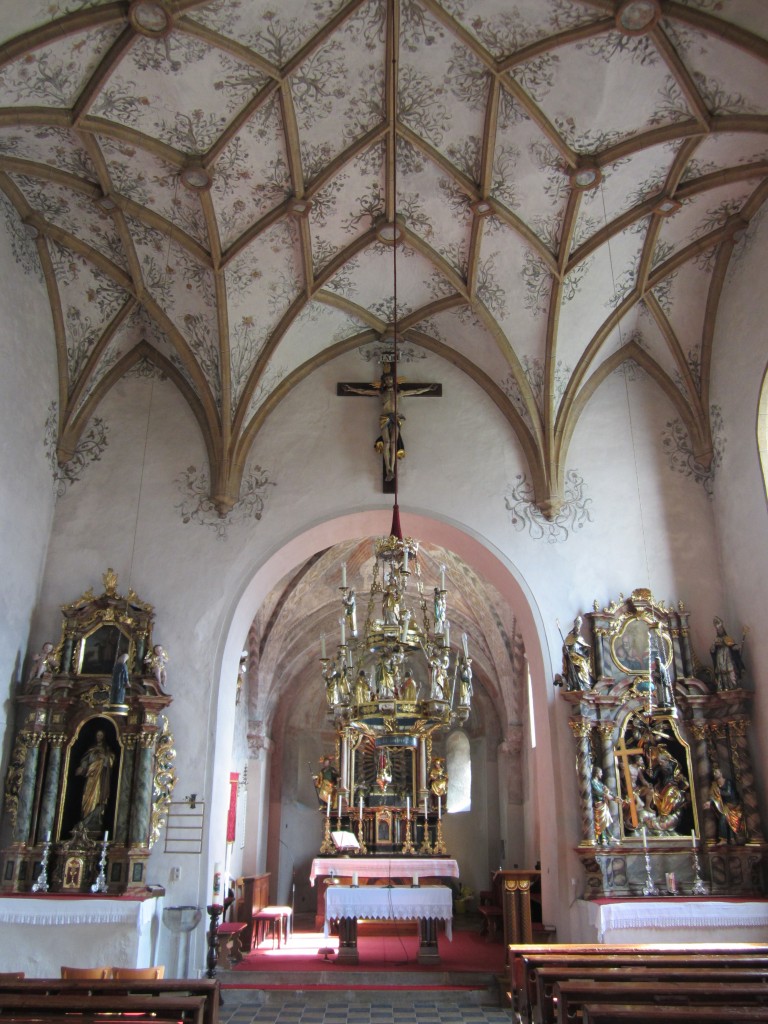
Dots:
(675, 919)
(427, 904)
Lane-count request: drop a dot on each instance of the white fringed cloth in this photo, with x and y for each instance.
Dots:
(708, 915)
(400, 903)
(384, 867)
(45, 911)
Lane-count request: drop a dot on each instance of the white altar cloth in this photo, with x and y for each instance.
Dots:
(99, 931)
(672, 920)
(384, 867)
(399, 903)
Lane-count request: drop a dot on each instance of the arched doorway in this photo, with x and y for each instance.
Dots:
(288, 702)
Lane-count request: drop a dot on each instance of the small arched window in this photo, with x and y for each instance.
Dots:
(762, 430)
(459, 768)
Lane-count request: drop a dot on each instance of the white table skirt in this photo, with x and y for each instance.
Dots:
(399, 903)
(384, 867)
(90, 910)
(709, 915)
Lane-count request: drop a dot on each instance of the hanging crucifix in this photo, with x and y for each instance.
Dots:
(389, 443)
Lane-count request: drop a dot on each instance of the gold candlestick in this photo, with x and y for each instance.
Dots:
(408, 846)
(425, 846)
(439, 846)
(360, 839)
(327, 844)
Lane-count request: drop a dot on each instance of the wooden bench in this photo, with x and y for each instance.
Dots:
(274, 921)
(572, 995)
(53, 999)
(631, 1013)
(648, 973)
(525, 960)
(229, 935)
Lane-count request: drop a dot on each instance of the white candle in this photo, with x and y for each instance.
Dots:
(322, 645)
(439, 808)
(405, 560)
(343, 574)
(442, 577)
(447, 634)
(645, 841)
(48, 837)
(354, 878)
(416, 881)
(343, 632)
(407, 808)
(216, 883)
(339, 804)
(693, 839)
(328, 808)
(361, 807)
(106, 837)
(426, 812)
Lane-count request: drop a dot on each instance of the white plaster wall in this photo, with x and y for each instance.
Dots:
(27, 387)
(738, 368)
(462, 460)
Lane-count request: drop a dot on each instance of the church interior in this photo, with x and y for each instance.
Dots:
(264, 605)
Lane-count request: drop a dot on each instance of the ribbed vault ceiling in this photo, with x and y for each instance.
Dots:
(206, 183)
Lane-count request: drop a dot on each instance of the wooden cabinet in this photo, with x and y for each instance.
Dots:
(251, 895)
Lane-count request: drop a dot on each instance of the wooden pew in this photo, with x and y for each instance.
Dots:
(571, 996)
(632, 1013)
(680, 969)
(526, 958)
(196, 1001)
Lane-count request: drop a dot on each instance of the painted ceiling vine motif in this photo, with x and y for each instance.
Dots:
(572, 196)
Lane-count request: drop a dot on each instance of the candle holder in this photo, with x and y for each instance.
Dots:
(650, 888)
(408, 846)
(425, 846)
(439, 846)
(360, 837)
(100, 885)
(215, 911)
(699, 885)
(327, 844)
(41, 885)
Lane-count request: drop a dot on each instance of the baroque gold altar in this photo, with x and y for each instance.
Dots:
(668, 802)
(91, 772)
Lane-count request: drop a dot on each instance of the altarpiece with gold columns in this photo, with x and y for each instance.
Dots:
(92, 766)
(667, 790)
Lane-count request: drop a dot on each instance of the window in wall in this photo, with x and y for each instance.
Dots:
(762, 430)
(459, 772)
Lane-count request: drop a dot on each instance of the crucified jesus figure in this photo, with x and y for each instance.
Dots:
(389, 443)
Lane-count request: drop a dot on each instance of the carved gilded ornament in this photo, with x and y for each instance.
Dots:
(15, 774)
(580, 728)
(164, 781)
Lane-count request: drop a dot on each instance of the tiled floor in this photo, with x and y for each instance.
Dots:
(296, 1010)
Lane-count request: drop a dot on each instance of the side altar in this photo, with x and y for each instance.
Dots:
(666, 785)
(92, 767)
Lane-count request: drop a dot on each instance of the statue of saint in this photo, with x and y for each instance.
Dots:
(439, 610)
(726, 658)
(96, 765)
(362, 689)
(576, 663)
(155, 663)
(601, 812)
(438, 777)
(42, 663)
(724, 801)
(119, 680)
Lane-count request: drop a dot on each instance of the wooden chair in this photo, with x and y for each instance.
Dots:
(86, 973)
(138, 973)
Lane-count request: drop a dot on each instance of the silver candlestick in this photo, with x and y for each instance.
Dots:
(100, 885)
(41, 885)
(650, 888)
(699, 885)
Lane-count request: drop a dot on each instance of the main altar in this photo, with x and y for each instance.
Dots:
(667, 794)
